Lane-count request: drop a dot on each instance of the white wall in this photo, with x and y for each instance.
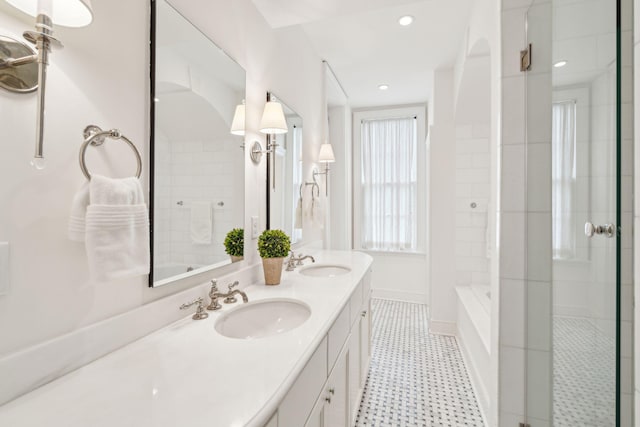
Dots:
(101, 77)
(442, 203)
(340, 185)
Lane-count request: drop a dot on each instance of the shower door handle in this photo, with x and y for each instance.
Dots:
(608, 230)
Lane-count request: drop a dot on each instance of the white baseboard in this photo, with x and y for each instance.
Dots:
(393, 294)
(441, 327)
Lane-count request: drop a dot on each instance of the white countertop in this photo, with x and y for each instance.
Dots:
(187, 374)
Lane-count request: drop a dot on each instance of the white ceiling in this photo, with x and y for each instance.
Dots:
(365, 45)
(584, 35)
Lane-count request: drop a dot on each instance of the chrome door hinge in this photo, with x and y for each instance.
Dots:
(525, 60)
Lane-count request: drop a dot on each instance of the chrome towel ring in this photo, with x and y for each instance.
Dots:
(96, 137)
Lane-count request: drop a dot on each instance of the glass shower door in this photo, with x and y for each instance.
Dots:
(573, 373)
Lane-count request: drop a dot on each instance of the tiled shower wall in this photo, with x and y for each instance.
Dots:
(188, 171)
(472, 199)
(525, 217)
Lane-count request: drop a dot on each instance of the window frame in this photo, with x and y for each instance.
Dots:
(420, 112)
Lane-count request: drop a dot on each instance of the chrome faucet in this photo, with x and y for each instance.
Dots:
(214, 294)
(292, 262)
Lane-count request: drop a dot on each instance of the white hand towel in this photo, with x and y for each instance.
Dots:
(317, 212)
(77, 217)
(201, 223)
(117, 229)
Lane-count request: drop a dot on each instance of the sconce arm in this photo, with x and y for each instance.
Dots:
(16, 62)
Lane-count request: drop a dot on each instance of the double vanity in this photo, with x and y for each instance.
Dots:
(296, 354)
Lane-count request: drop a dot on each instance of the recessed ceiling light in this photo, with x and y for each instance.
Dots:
(383, 87)
(405, 20)
(560, 64)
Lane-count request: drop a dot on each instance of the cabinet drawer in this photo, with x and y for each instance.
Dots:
(337, 336)
(299, 401)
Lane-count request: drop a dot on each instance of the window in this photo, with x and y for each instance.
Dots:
(563, 176)
(388, 184)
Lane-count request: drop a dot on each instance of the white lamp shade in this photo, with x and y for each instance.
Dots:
(66, 13)
(326, 154)
(273, 120)
(237, 125)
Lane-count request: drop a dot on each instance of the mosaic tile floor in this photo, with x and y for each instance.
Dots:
(415, 379)
(583, 374)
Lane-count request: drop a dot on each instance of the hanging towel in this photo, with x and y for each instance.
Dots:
(317, 212)
(201, 223)
(77, 221)
(117, 228)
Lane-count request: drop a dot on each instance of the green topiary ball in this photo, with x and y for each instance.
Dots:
(274, 244)
(234, 242)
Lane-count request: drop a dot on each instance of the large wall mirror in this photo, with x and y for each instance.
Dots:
(197, 184)
(286, 201)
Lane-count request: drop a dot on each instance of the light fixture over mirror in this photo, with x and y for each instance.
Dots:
(237, 125)
(274, 123)
(65, 13)
(325, 156)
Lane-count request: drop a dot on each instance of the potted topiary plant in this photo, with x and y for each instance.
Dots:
(273, 246)
(234, 244)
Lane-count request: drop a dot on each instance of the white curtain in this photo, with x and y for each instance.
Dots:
(389, 184)
(296, 180)
(563, 176)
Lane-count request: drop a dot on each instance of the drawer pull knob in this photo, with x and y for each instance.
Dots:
(364, 314)
(327, 399)
(332, 390)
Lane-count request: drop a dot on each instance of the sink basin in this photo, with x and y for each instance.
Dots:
(263, 318)
(324, 270)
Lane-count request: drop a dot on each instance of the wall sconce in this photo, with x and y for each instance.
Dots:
(237, 124)
(273, 122)
(326, 156)
(66, 13)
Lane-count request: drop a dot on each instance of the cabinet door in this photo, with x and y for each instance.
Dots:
(354, 371)
(316, 419)
(336, 412)
(365, 341)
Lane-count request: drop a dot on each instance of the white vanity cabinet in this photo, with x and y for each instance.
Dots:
(331, 408)
(329, 387)
(359, 346)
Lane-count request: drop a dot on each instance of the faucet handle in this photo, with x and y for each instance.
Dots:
(200, 313)
(214, 286)
(299, 259)
(230, 298)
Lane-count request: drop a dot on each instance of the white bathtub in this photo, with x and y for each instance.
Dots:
(474, 333)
